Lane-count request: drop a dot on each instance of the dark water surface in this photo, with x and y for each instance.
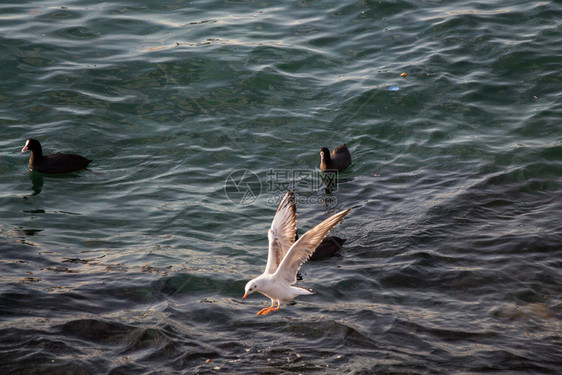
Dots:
(453, 259)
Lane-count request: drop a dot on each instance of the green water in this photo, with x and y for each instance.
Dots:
(138, 265)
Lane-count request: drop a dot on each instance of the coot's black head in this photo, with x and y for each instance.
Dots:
(34, 146)
(324, 153)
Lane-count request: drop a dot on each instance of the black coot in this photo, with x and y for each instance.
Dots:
(327, 248)
(55, 163)
(338, 159)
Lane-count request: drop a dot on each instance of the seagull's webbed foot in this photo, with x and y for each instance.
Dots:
(269, 309)
(263, 311)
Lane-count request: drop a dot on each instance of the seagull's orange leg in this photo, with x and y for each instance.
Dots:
(270, 309)
(263, 311)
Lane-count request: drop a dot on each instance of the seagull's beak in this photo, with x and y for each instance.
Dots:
(24, 148)
(245, 295)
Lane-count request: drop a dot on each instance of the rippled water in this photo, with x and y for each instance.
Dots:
(453, 256)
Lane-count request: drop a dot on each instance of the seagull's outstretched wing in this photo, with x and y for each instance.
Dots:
(305, 246)
(282, 232)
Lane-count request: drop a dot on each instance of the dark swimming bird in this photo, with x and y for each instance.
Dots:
(338, 159)
(55, 163)
(327, 248)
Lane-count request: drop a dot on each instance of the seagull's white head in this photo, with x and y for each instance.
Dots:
(252, 286)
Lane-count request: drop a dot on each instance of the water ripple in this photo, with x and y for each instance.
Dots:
(451, 263)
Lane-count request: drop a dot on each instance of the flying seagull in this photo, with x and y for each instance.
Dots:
(287, 256)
